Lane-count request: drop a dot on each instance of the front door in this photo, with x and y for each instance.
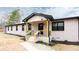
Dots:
(40, 28)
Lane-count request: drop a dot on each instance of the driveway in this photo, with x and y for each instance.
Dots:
(10, 43)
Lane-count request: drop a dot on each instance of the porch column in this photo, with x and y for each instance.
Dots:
(48, 32)
(47, 28)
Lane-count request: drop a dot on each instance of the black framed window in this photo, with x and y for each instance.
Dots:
(54, 26)
(16, 27)
(8, 28)
(11, 28)
(40, 26)
(22, 27)
(58, 26)
(29, 26)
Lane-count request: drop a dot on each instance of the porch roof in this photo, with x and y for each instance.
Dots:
(38, 14)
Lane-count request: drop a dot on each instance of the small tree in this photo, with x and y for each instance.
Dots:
(14, 17)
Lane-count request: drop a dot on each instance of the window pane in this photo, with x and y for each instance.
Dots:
(11, 28)
(40, 26)
(54, 24)
(60, 24)
(60, 28)
(8, 28)
(54, 28)
(29, 26)
(16, 27)
(22, 27)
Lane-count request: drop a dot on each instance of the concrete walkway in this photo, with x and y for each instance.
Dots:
(35, 47)
(28, 46)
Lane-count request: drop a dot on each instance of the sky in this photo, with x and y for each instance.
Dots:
(56, 12)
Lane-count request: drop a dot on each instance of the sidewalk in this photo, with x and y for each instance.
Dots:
(37, 47)
(28, 46)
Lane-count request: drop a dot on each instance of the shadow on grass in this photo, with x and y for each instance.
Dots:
(44, 43)
(53, 43)
(65, 42)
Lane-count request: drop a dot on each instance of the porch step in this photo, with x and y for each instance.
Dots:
(44, 39)
(32, 39)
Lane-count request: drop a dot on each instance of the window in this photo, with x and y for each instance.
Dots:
(16, 27)
(58, 26)
(22, 27)
(29, 26)
(11, 28)
(8, 28)
(40, 26)
(54, 26)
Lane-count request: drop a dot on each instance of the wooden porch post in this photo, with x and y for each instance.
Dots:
(48, 32)
(47, 28)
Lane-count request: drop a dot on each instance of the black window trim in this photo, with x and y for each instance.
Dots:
(22, 27)
(57, 25)
(8, 28)
(40, 28)
(11, 28)
(16, 27)
(29, 26)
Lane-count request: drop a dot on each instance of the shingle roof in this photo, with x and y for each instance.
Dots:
(38, 14)
(16, 24)
(67, 18)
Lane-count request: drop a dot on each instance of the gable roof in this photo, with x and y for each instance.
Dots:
(48, 17)
(38, 14)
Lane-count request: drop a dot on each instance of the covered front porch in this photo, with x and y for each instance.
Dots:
(37, 27)
(37, 31)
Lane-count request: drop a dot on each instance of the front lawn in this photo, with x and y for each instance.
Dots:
(65, 47)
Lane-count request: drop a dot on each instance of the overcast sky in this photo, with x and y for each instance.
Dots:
(56, 12)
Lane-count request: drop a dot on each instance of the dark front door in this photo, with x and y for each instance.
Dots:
(40, 28)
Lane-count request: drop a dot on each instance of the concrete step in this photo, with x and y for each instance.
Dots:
(32, 38)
